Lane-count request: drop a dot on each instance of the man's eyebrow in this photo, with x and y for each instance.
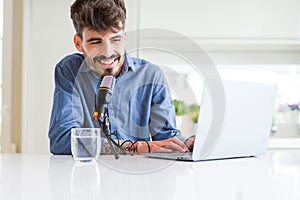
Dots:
(116, 37)
(94, 39)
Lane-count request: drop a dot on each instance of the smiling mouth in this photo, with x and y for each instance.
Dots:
(108, 62)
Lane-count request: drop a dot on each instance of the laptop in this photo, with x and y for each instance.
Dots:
(244, 116)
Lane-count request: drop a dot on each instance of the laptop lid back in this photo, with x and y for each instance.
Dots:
(249, 109)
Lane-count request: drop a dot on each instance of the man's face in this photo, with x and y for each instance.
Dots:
(104, 52)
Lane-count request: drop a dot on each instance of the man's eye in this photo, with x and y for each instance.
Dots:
(96, 42)
(116, 40)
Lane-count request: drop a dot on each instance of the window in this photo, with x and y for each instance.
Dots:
(286, 123)
(286, 119)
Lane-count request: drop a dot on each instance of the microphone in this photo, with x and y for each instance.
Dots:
(104, 96)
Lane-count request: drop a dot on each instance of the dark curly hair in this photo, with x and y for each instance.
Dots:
(98, 15)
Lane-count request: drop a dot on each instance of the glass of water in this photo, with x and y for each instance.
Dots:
(85, 144)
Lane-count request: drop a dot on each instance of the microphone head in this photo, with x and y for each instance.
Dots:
(105, 92)
(108, 82)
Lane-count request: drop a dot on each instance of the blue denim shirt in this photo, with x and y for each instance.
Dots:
(141, 107)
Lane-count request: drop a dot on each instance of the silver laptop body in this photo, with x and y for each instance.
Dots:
(249, 109)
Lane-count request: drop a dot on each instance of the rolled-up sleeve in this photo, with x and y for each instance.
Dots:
(162, 114)
(62, 116)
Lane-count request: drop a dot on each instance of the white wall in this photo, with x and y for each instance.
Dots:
(224, 19)
(234, 31)
(48, 36)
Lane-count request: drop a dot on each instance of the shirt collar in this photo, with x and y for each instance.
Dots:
(84, 67)
(128, 65)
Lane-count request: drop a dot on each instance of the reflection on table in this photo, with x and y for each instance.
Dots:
(273, 176)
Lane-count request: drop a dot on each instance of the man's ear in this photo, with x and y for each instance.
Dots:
(78, 42)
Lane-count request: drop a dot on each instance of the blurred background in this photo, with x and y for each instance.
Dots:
(256, 40)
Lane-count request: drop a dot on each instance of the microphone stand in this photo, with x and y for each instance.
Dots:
(106, 131)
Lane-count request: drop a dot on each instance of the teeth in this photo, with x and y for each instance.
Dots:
(107, 62)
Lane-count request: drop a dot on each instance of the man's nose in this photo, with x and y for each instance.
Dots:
(107, 50)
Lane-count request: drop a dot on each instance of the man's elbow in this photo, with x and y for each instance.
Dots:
(60, 149)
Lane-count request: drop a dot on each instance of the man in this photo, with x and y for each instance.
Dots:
(141, 106)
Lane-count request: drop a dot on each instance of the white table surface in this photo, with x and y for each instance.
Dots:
(273, 176)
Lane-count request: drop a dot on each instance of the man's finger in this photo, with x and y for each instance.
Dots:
(190, 143)
(179, 143)
(155, 148)
(175, 147)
